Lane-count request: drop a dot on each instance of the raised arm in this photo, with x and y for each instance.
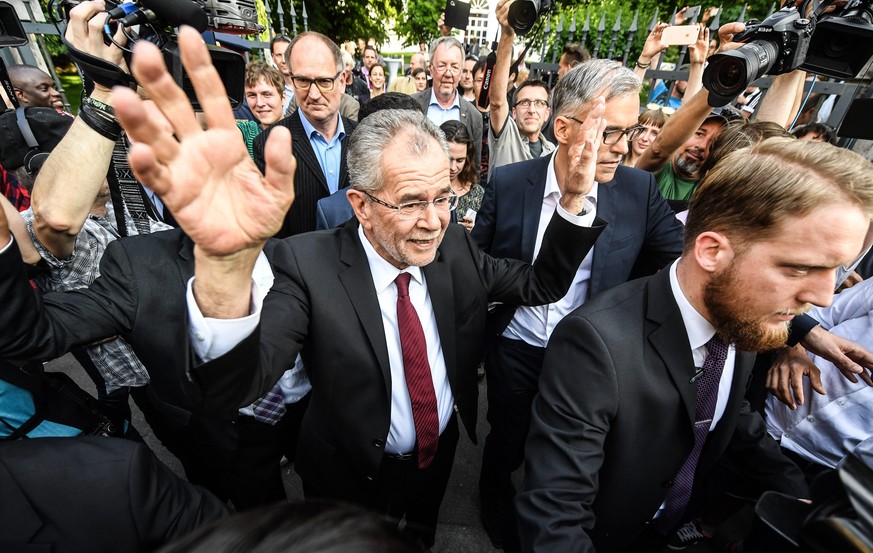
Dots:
(205, 176)
(779, 105)
(687, 119)
(71, 177)
(651, 51)
(500, 76)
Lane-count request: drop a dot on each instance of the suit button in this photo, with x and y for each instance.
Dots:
(378, 442)
(667, 484)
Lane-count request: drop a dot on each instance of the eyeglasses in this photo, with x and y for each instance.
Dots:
(527, 103)
(658, 107)
(611, 137)
(324, 84)
(454, 70)
(414, 210)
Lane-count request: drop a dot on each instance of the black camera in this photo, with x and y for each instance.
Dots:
(523, 14)
(842, 46)
(776, 45)
(838, 45)
(154, 21)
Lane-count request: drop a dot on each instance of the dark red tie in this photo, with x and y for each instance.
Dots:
(418, 378)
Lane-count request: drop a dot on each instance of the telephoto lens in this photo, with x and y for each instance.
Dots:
(729, 73)
(523, 14)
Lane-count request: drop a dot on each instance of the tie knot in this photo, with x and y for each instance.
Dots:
(717, 348)
(402, 282)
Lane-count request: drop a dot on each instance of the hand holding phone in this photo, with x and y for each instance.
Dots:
(680, 35)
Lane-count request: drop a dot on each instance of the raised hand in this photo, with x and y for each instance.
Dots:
(582, 163)
(205, 177)
(697, 51)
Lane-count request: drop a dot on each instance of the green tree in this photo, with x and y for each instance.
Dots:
(418, 22)
(343, 20)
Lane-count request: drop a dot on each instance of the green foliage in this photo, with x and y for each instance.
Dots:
(342, 20)
(418, 23)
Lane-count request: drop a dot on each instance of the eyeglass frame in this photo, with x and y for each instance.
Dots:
(531, 103)
(447, 69)
(315, 82)
(639, 129)
(422, 205)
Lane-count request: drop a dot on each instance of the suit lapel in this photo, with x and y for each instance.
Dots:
(442, 297)
(344, 151)
(669, 339)
(607, 209)
(303, 149)
(532, 207)
(358, 283)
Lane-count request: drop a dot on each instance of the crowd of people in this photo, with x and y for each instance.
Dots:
(323, 275)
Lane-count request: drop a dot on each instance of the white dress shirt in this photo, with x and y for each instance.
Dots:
(401, 436)
(535, 325)
(826, 428)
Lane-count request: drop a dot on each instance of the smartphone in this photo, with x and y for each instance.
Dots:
(680, 35)
(691, 13)
(471, 215)
(457, 14)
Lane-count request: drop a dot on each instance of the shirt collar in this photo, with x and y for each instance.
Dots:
(456, 103)
(383, 272)
(699, 330)
(307, 126)
(552, 182)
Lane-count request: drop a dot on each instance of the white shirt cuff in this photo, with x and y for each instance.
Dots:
(212, 338)
(8, 245)
(585, 220)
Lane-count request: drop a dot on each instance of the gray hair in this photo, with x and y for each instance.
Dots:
(335, 52)
(589, 79)
(348, 59)
(449, 41)
(412, 132)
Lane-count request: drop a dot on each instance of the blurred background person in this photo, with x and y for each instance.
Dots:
(377, 84)
(463, 172)
(653, 119)
(420, 76)
(265, 96)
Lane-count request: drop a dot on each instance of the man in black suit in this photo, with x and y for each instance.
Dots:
(442, 102)
(320, 133)
(94, 495)
(642, 388)
(510, 223)
(369, 437)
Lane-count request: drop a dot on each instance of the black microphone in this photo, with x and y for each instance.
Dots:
(484, 99)
(179, 12)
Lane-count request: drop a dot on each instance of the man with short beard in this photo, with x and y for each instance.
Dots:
(641, 391)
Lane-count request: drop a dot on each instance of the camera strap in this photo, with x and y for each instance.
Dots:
(100, 71)
(125, 192)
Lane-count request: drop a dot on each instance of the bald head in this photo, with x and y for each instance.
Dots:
(34, 87)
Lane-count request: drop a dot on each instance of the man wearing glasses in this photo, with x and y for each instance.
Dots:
(441, 102)
(516, 138)
(317, 73)
(518, 203)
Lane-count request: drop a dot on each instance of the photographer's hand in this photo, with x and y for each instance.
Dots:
(206, 177)
(726, 34)
(85, 33)
(651, 50)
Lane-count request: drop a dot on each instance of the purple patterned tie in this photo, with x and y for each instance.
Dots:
(271, 408)
(418, 378)
(707, 395)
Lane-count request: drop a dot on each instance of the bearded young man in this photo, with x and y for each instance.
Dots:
(641, 391)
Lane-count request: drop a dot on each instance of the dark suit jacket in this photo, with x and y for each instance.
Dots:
(641, 224)
(470, 117)
(333, 211)
(140, 295)
(94, 495)
(310, 184)
(323, 304)
(613, 423)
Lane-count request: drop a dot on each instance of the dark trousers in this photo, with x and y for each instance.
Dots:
(236, 459)
(403, 491)
(512, 370)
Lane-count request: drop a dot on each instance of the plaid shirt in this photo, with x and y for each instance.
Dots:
(116, 361)
(17, 195)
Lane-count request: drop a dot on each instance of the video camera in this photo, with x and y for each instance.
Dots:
(838, 45)
(155, 21)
